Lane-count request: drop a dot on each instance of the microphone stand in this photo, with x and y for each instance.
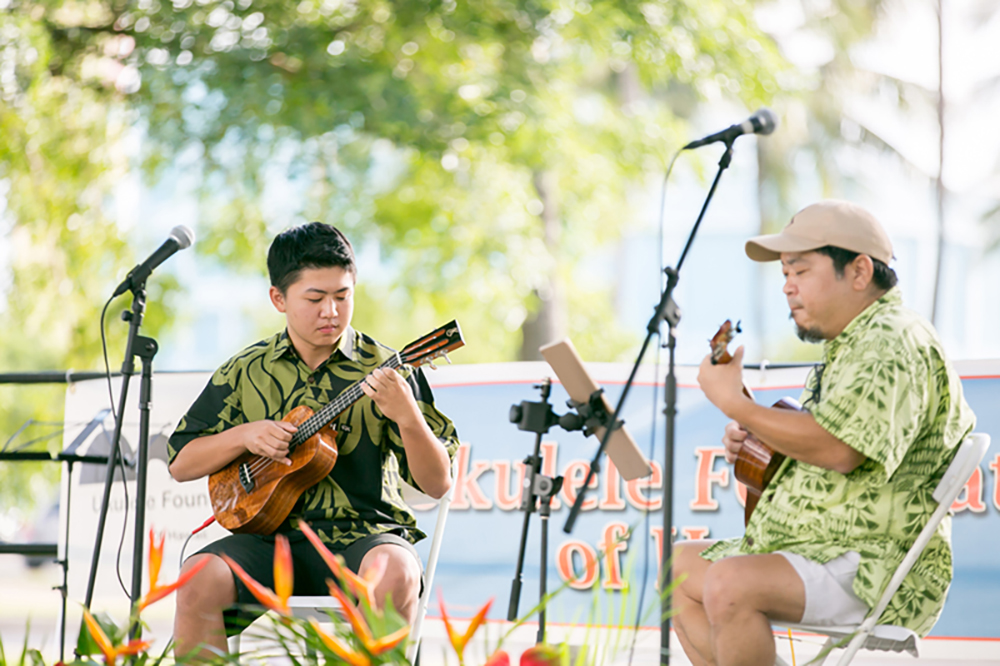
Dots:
(145, 348)
(666, 310)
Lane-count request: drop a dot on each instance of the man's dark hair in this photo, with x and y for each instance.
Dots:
(883, 276)
(313, 245)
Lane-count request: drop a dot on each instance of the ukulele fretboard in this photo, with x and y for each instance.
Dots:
(320, 419)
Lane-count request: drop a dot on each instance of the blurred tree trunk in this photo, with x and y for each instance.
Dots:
(548, 322)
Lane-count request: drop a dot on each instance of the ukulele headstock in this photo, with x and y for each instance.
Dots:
(434, 345)
(721, 340)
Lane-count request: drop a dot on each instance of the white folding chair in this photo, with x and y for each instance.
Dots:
(317, 606)
(885, 637)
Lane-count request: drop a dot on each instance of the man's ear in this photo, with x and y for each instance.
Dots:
(277, 299)
(864, 272)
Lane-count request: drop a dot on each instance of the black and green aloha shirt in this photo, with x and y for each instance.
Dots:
(885, 389)
(362, 495)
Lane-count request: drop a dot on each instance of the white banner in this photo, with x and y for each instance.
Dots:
(480, 546)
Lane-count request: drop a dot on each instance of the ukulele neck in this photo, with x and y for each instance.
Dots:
(331, 410)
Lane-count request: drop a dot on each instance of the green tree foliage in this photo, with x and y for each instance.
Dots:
(61, 153)
(817, 126)
(487, 148)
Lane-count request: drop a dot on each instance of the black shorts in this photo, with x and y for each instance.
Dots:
(255, 554)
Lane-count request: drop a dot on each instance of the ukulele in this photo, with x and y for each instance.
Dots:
(254, 494)
(756, 463)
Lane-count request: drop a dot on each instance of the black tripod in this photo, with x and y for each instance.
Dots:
(145, 348)
(538, 417)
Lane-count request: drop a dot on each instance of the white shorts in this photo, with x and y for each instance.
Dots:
(830, 598)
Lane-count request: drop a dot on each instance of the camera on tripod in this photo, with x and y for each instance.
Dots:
(539, 417)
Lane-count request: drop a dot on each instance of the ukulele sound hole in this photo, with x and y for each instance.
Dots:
(246, 480)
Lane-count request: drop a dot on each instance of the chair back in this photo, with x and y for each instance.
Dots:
(970, 453)
(418, 501)
(887, 637)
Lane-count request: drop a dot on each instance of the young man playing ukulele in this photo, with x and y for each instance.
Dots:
(883, 416)
(394, 433)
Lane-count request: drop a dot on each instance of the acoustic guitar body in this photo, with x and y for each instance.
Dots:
(275, 487)
(757, 464)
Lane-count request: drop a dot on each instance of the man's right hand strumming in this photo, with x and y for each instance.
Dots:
(207, 455)
(269, 439)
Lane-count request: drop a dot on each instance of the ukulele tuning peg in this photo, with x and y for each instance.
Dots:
(446, 358)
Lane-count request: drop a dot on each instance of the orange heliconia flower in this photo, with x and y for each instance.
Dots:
(340, 648)
(155, 560)
(111, 651)
(283, 581)
(374, 646)
(362, 587)
(459, 641)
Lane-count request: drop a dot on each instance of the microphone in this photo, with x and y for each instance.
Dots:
(180, 238)
(763, 121)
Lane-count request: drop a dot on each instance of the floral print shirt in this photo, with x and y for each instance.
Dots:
(362, 495)
(885, 389)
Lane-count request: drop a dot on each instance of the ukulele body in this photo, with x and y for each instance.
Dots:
(276, 487)
(757, 463)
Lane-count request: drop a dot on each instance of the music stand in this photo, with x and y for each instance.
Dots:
(591, 414)
(621, 448)
(69, 456)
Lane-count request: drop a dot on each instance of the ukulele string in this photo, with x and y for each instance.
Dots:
(309, 427)
(315, 423)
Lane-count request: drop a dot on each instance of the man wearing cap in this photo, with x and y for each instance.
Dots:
(883, 415)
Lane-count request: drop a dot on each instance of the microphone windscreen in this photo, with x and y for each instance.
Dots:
(183, 235)
(767, 119)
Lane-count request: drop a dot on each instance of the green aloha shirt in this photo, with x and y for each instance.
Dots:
(886, 390)
(362, 495)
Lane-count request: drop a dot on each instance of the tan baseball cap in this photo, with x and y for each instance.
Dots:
(830, 222)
